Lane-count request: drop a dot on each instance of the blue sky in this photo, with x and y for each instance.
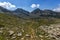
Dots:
(26, 4)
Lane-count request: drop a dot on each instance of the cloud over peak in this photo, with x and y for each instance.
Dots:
(57, 9)
(7, 5)
(35, 6)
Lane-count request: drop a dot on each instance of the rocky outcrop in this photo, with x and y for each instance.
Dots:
(53, 30)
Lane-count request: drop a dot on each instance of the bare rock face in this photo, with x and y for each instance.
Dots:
(40, 36)
(11, 32)
(27, 35)
(19, 34)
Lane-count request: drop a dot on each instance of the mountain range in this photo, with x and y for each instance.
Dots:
(37, 13)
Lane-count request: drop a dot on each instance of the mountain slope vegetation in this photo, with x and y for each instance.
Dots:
(24, 25)
(15, 28)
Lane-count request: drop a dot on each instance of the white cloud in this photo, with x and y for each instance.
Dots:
(57, 9)
(35, 6)
(7, 5)
(38, 5)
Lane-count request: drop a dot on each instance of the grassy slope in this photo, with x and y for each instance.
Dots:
(29, 26)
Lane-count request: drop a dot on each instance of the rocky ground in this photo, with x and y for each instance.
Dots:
(17, 33)
(53, 30)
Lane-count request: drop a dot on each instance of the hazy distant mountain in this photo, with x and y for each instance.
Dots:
(21, 13)
(4, 9)
(51, 13)
(37, 13)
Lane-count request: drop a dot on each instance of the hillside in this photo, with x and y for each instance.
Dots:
(15, 28)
